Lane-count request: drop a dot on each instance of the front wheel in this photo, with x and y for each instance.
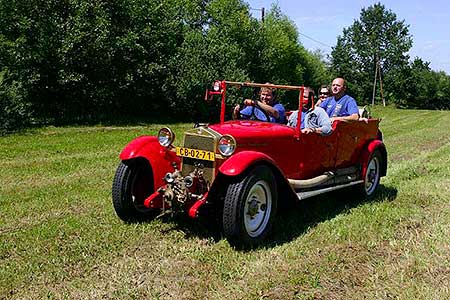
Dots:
(132, 184)
(250, 207)
(372, 175)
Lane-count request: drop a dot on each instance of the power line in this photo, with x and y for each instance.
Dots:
(312, 39)
(306, 36)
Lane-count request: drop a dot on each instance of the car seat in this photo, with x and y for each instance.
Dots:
(364, 112)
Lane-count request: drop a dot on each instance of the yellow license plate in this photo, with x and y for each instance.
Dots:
(195, 153)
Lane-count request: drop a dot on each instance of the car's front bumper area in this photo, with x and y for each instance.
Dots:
(180, 193)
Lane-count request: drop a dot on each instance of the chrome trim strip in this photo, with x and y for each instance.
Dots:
(304, 195)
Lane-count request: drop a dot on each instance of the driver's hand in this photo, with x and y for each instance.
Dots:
(248, 102)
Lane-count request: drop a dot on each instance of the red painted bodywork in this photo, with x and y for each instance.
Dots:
(239, 162)
(160, 158)
(194, 208)
(300, 157)
(295, 155)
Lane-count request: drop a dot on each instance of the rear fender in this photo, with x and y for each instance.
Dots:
(161, 159)
(372, 146)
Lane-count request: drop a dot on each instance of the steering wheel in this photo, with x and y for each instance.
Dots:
(253, 116)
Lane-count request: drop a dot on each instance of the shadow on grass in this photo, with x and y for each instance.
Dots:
(292, 221)
(203, 228)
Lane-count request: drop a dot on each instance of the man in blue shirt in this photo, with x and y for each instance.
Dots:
(340, 106)
(274, 110)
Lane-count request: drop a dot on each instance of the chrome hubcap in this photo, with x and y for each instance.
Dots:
(372, 175)
(257, 208)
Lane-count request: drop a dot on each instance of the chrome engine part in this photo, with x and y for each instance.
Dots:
(181, 190)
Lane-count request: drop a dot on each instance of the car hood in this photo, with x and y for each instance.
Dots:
(243, 129)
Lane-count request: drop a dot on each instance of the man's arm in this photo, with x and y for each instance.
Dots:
(351, 118)
(269, 109)
(323, 121)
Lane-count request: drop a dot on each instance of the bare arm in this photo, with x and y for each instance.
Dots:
(269, 109)
(351, 118)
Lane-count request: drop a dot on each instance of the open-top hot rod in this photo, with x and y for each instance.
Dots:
(238, 169)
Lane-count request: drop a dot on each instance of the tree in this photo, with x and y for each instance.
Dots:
(15, 111)
(72, 61)
(377, 37)
(442, 100)
(426, 88)
(216, 45)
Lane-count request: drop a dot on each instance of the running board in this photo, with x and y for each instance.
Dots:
(308, 194)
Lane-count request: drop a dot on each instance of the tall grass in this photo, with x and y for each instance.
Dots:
(60, 238)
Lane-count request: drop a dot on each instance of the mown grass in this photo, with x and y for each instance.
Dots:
(60, 238)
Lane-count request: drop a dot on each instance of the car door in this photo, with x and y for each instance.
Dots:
(317, 154)
(351, 139)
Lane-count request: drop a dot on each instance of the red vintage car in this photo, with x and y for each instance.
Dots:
(241, 170)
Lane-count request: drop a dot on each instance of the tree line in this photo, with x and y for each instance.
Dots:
(79, 61)
(378, 41)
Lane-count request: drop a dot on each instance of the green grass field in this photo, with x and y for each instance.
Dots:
(60, 237)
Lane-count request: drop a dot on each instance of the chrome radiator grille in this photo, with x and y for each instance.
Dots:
(201, 138)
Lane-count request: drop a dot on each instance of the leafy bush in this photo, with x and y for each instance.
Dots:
(15, 112)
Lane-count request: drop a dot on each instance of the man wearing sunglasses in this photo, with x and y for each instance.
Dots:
(340, 106)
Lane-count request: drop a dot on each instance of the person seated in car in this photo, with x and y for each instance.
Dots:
(340, 106)
(324, 93)
(275, 111)
(314, 118)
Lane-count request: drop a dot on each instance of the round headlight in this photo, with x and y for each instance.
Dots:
(166, 137)
(227, 145)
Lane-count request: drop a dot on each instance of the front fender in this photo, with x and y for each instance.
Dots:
(161, 159)
(239, 162)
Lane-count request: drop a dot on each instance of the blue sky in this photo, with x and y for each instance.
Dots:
(429, 23)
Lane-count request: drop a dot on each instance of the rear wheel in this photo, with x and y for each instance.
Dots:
(250, 207)
(372, 175)
(132, 184)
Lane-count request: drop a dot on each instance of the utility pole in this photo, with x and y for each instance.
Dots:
(263, 14)
(377, 76)
(375, 81)
(381, 84)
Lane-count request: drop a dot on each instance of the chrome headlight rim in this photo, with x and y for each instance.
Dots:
(226, 149)
(166, 137)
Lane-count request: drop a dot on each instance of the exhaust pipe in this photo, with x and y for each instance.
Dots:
(338, 176)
